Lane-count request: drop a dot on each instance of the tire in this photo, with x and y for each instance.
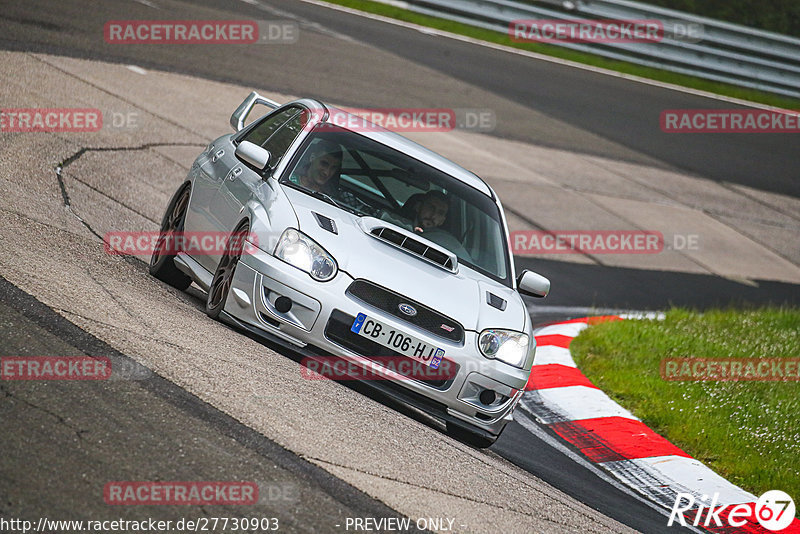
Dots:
(223, 277)
(470, 438)
(162, 265)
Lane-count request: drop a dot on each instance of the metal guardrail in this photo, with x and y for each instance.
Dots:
(723, 52)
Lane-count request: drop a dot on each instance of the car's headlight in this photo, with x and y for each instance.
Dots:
(299, 250)
(504, 345)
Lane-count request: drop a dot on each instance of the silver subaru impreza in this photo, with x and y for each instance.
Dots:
(359, 245)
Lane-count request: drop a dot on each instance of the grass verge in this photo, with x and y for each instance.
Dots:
(748, 432)
(571, 55)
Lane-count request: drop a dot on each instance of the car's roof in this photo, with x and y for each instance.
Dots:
(415, 150)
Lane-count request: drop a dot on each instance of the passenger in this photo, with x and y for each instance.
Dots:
(431, 211)
(431, 214)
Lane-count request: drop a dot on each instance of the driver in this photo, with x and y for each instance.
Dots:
(320, 172)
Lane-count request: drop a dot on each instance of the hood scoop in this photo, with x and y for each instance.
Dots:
(326, 223)
(410, 243)
(495, 301)
(413, 246)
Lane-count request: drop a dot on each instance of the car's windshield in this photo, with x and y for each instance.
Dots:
(368, 178)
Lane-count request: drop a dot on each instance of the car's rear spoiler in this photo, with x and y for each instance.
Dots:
(241, 113)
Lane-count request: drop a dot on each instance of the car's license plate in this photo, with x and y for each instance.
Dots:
(401, 342)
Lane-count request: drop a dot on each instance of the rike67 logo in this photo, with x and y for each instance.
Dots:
(774, 511)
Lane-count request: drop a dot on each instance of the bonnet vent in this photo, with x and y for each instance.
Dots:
(326, 223)
(495, 301)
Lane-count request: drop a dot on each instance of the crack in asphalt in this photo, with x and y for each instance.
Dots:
(77, 155)
(117, 327)
(119, 303)
(116, 201)
(61, 420)
(133, 260)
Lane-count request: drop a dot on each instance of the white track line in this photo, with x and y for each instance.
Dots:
(547, 354)
(136, 69)
(568, 329)
(575, 403)
(689, 473)
(584, 311)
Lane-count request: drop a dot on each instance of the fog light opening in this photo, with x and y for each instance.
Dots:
(283, 304)
(487, 397)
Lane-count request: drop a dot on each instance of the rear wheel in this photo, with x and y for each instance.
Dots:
(162, 264)
(223, 277)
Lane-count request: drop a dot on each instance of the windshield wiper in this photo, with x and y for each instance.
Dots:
(326, 198)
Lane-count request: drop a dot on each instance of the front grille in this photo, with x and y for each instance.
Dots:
(389, 302)
(338, 331)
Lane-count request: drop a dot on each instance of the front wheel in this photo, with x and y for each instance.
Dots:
(162, 264)
(223, 277)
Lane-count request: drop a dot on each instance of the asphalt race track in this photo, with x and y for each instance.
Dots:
(207, 403)
(567, 108)
(164, 426)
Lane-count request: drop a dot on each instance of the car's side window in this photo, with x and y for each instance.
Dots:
(280, 141)
(276, 133)
(261, 133)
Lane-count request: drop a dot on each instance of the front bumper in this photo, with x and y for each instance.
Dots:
(317, 323)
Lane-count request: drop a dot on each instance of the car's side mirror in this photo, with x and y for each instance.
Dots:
(533, 284)
(252, 154)
(240, 115)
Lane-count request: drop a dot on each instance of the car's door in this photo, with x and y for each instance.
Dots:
(275, 134)
(211, 209)
(207, 178)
